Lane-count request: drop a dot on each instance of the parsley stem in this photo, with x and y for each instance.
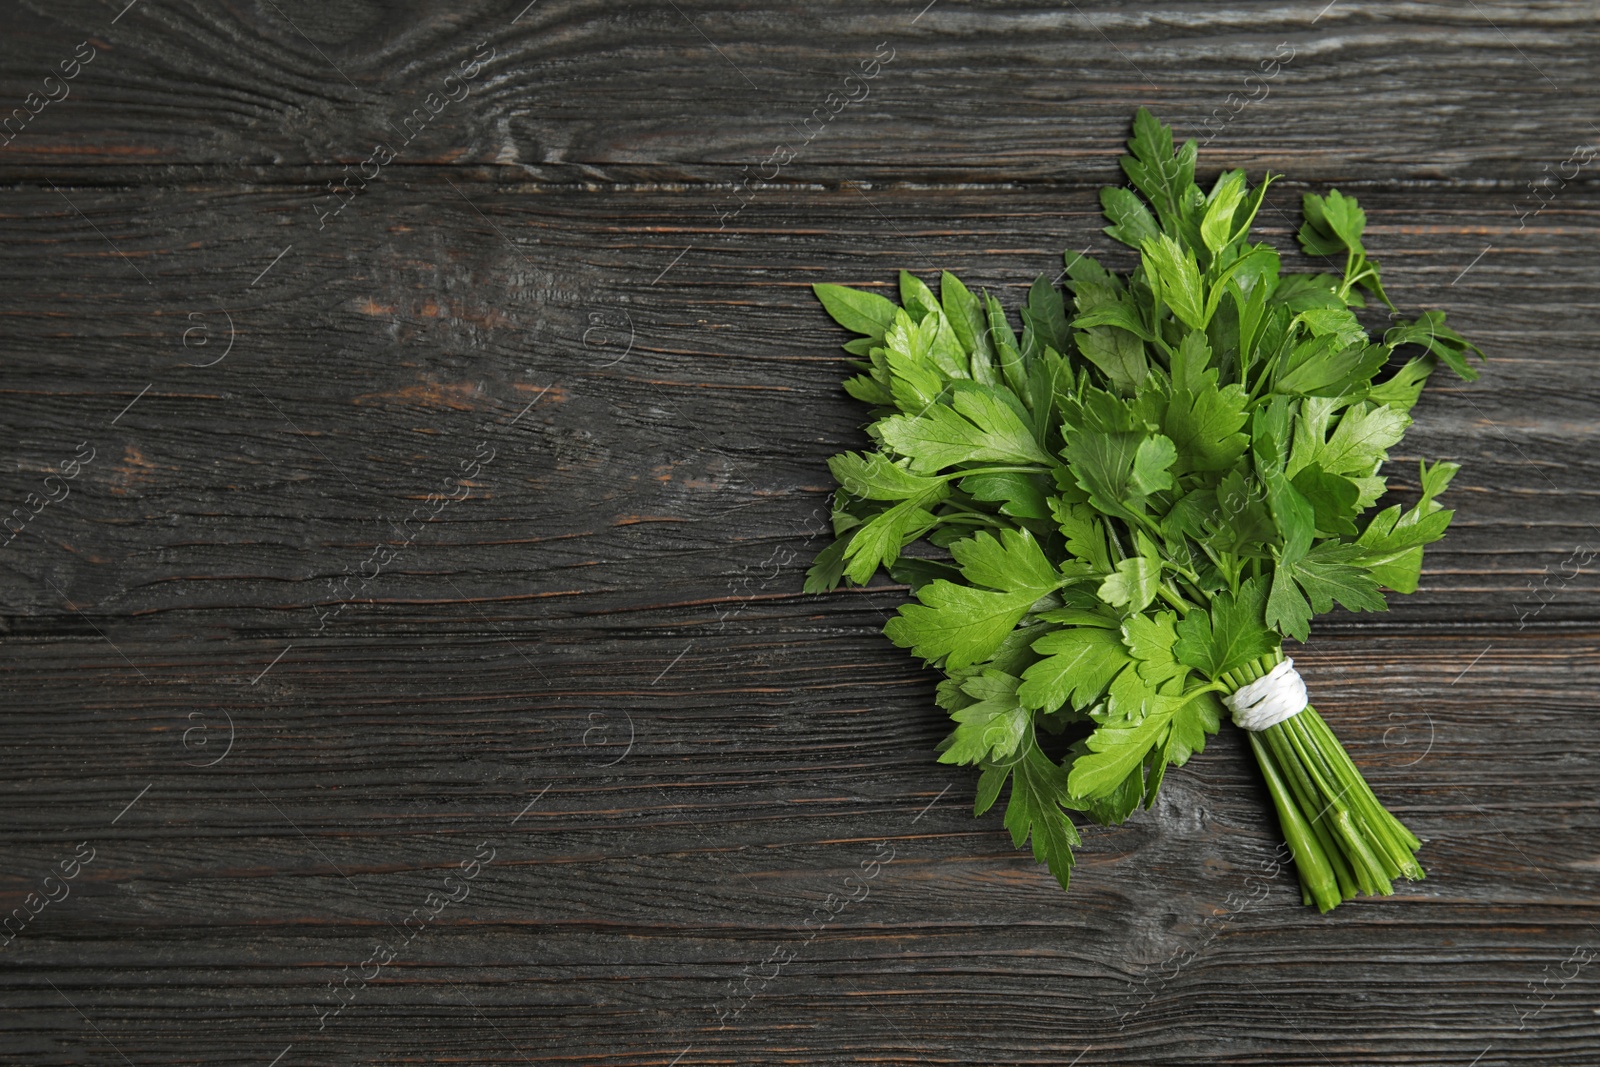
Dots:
(1200, 595)
(1171, 597)
(1116, 542)
(1316, 876)
(1330, 817)
(1209, 687)
(1230, 573)
(992, 470)
(1267, 365)
(1189, 576)
(975, 518)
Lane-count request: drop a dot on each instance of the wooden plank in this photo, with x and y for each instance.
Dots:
(614, 91)
(593, 674)
(622, 905)
(685, 391)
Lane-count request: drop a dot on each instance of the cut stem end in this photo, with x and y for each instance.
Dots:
(1345, 843)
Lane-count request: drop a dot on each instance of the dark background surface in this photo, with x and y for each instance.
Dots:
(596, 668)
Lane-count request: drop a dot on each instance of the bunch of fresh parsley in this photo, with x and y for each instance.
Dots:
(1138, 499)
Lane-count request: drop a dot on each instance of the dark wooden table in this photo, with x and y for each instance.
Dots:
(304, 762)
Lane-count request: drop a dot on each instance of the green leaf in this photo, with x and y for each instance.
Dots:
(1269, 434)
(1434, 480)
(1287, 610)
(1150, 640)
(1014, 562)
(869, 390)
(978, 428)
(1333, 224)
(1332, 499)
(1292, 514)
(1132, 586)
(1321, 367)
(1190, 369)
(1231, 634)
(1164, 176)
(965, 624)
(989, 783)
(1019, 495)
(1298, 292)
(971, 325)
(1362, 439)
(1178, 275)
(1204, 426)
(856, 310)
(1344, 217)
(962, 624)
(1095, 410)
(878, 541)
(1049, 376)
(916, 297)
(1135, 721)
(1202, 420)
(1131, 221)
(1441, 341)
(1152, 465)
(1118, 470)
(1118, 354)
(1079, 663)
(915, 379)
(1086, 270)
(1046, 315)
(1217, 229)
(827, 570)
(1402, 388)
(874, 477)
(1331, 572)
(1035, 808)
(1339, 323)
(1013, 364)
(909, 570)
(1119, 313)
(1256, 267)
(1115, 752)
(1310, 436)
(1111, 806)
(1392, 542)
(993, 727)
(1198, 716)
(1081, 616)
(1014, 655)
(1084, 531)
(1397, 569)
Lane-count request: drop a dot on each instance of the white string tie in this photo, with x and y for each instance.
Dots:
(1270, 699)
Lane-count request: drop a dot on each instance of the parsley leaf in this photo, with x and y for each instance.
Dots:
(1392, 542)
(990, 728)
(1077, 666)
(977, 427)
(1035, 809)
(1231, 634)
(856, 310)
(964, 623)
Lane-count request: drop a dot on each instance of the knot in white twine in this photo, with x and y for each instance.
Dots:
(1270, 699)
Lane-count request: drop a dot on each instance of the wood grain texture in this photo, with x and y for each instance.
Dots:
(594, 672)
(601, 90)
(619, 908)
(685, 387)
